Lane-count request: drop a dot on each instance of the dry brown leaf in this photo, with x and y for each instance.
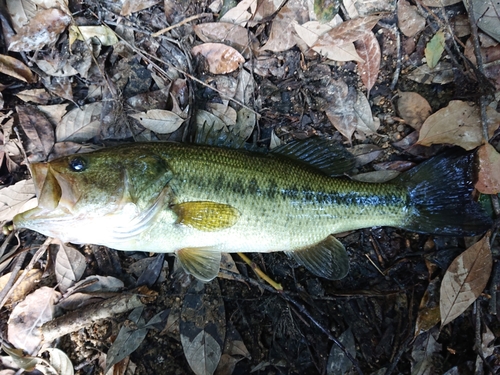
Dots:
(241, 13)
(442, 74)
(39, 96)
(235, 36)
(221, 59)
(347, 32)
(20, 12)
(439, 3)
(413, 108)
(488, 178)
(29, 282)
(159, 120)
(366, 123)
(457, 124)
(39, 132)
(80, 124)
(17, 198)
(369, 50)
(16, 69)
(44, 28)
(410, 21)
(465, 280)
(133, 6)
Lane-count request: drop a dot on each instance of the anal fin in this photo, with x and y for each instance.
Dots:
(201, 262)
(327, 259)
(205, 215)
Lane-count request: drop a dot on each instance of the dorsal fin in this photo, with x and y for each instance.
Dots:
(322, 154)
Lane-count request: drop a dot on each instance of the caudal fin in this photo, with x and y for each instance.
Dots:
(440, 195)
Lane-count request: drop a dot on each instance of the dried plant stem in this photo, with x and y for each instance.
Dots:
(183, 22)
(261, 273)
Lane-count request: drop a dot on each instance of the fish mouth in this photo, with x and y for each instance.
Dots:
(52, 189)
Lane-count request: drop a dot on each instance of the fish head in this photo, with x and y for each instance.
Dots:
(80, 196)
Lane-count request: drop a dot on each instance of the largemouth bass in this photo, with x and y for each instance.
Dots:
(198, 201)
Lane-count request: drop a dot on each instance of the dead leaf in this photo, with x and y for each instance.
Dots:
(80, 124)
(133, 6)
(486, 13)
(17, 198)
(202, 326)
(20, 12)
(240, 14)
(369, 50)
(29, 282)
(29, 315)
(16, 69)
(221, 59)
(233, 35)
(413, 108)
(457, 124)
(465, 280)
(426, 354)
(488, 178)
(338, 363)
(410, 21)
(428, 311)
(59, 361)
(39, 96)
(442, 74)
(365, 123)
(69, 266)
(439, 3)
(347, 32)
(159, 120)
(39, 132)
(104, 34)
(44, 28)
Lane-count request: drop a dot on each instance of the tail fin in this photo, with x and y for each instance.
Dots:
(440, 192)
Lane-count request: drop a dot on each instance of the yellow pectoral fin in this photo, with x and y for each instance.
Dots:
(202, 262)
(206, 216)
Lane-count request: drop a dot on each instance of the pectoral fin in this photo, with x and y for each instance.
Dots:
(203, 262)
(327, 259)
(206, 216)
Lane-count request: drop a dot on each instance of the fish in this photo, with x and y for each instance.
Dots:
(198, 201)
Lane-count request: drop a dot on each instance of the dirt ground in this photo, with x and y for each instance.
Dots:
(385, 312)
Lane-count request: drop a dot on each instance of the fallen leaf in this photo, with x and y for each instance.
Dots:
(221, 59)
(20, 12)
(80, 124)
(29, 282)
(159, 120)
(239, 14)
(17, 198)
(202, 326)
(133, 6)
(106, 36)
(426, 354)
(44, 28)
(457, 124)
(28, 316)
(69, 266)
(486, 13)
(347, 32)
(434, 49)
(410, 22)
(439, 3)
(338, 363)
(39, 96)
(38, 130)
(413, 108)
(442, 74)
(428, 311)
(15, 68)
(488, 178)
(365, 123)
(465, 280)
(369, 50)
(233, 35)
(59, 361)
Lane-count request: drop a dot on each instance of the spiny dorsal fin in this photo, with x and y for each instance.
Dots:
(327, 259)
(325, 155)
(202, 262)
(205, 215)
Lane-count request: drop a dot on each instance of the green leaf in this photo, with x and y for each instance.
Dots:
(434, 49)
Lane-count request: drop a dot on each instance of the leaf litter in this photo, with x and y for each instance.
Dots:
(270, 71)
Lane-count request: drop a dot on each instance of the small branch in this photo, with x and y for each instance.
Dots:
(183, 22)
(261, 273)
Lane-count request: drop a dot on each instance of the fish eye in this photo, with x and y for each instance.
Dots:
(77, 164)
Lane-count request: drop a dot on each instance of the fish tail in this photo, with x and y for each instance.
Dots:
(440, 193)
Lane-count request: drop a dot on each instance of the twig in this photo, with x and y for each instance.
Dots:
(302, 309)
(183, 22)
(261, 273)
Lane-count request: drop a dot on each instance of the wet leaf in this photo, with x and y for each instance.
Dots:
(488, 179)
(39, 132)
(241, 13)
(80, 124)
(347, 32)
(442, 74)
(410, 21)
(129, 338)
(465, 279)
(434, 49)
(457, 124)
(159, 120)
(17, 198)
(44, 28)
(28, 316)
(426, 354)
(486, 13)
(221, 59)
(59, 361)
(428, 311)
(338, 363)
(15, 68)
(413, 108)
(69, 266)
(369, 50)
(202, 326)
